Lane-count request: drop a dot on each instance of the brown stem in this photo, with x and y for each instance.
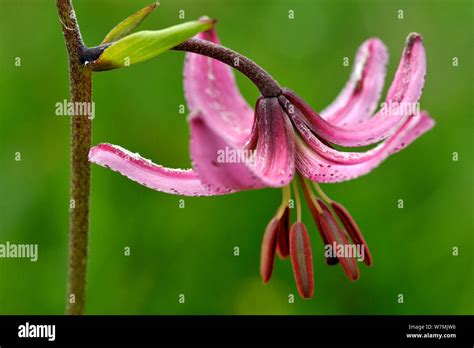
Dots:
(80, 79)
(262, 79)
(267, 85)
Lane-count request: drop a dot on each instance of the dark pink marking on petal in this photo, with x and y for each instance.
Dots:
(318, 166)
(326, 151)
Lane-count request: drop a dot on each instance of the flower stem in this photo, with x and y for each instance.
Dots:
(80, 79)
(267, 85)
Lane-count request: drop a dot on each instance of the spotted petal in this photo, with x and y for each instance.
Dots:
(133, 166)
(335, 167)
(405, 89)
(328, 152)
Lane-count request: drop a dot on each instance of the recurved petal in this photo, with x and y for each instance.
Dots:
(302, 260)
(409, 79)
(358, 100)
(146, 173)
(327, 152)
(335, 166)
(210, 87)
(406, 88)
(424, 124)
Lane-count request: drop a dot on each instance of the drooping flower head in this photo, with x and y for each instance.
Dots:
(285, 137)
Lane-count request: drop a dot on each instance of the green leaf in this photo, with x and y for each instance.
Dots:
(144, 45)
(126, 26)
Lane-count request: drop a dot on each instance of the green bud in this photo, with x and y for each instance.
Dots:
(126, 26)
(144, 45)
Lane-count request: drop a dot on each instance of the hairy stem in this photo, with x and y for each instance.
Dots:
(262, 79)
(80, 79)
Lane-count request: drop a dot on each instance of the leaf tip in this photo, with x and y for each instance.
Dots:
(207, 20)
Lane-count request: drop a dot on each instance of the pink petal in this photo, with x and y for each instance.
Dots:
(221, 166)
(424, 124)
(210, 87)
(326, 151)
(275, 149)
(406, 88)
(146, 173)
(321, 168)
(224, 167)
(221, 123)
(358, 100)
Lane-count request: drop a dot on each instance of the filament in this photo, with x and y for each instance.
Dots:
(297, 200)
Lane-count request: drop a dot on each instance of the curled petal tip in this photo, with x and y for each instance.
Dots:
(412, 37)
(358, 99)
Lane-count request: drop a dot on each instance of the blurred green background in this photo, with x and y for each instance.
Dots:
(190, 250)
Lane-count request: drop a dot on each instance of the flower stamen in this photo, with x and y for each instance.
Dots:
(302, 260)
(309, 196)
(297, 201)
(285, 200)
(321, 193)
(267, 258)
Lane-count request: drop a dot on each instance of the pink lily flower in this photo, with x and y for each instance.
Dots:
(285, 136)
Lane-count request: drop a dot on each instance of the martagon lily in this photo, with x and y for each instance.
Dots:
(290, 143)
